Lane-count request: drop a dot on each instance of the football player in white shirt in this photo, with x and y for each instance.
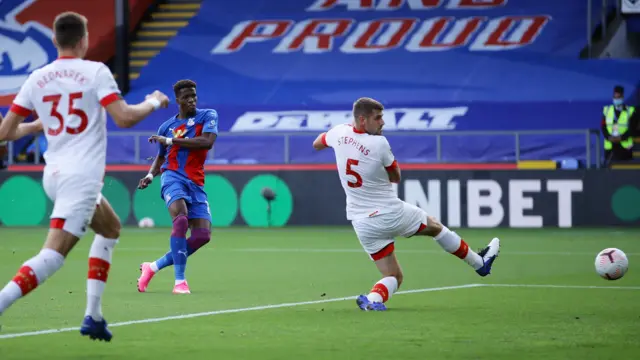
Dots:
(71, 95)
(367, 169)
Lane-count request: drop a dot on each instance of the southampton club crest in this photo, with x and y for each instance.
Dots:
(23, 47)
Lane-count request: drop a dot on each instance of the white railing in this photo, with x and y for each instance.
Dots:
(592, 142)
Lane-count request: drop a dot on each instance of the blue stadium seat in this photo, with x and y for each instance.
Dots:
(567, 163)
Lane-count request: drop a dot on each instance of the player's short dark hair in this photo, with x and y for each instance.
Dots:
(69, 28)
(183, 84)
(618, 89)
(366, 106)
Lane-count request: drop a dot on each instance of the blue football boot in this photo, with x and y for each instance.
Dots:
(489, 254)
(95, 329)
(364, 304)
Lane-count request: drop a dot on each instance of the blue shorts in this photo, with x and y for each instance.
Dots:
(176, 186)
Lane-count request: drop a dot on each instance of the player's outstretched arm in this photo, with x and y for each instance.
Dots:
(25, 129)
(320, 143)
(9, 126)
(157, 163)
(126, 115)
(204, 141)
(153, 172)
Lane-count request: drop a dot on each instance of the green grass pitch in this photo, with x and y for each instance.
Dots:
(305, 271)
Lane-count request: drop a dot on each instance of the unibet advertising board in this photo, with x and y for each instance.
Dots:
(475, 199)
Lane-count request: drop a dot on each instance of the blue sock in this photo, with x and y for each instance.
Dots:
(179, 246)
(179, 254)
(167, 259)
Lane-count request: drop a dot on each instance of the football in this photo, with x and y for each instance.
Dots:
(146, 222)
(611, 263)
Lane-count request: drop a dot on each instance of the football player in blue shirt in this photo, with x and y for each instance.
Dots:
(184, 141)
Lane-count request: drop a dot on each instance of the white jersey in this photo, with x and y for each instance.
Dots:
(69, 96)
(362, 160)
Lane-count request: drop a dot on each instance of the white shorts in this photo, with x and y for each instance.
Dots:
(74, 199)
(377, 233)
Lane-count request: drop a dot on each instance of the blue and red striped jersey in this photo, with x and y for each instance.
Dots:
(187, 162)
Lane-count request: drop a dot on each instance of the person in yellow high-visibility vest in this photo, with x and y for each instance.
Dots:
(617, 121)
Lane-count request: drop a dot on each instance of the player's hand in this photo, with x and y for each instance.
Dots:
(144, 182)
(159, 139)
(164, 99)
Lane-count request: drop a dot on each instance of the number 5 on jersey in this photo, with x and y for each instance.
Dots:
(350, 171)
(55, 100)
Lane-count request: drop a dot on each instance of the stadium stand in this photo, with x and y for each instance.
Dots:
(462, 81)
(295, 67)
(153, 35)
(25, 39)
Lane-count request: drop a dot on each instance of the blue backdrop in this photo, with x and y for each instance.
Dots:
(297, 66)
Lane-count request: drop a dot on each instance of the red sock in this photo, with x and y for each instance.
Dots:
(383, 289)
(462, 251)
(26, 279)
(31, 274)
(99, 265)
(452, 243)
(98, 269)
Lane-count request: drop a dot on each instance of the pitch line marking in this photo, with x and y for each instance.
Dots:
(563, 286)
(229, 311)
(312, 302)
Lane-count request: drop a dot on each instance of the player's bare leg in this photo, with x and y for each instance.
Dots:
(178, 211)
(200, 236)
(106, 224)
(451, 242)
(39, 268)
(391, 280)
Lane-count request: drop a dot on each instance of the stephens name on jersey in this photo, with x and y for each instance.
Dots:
(363, 161)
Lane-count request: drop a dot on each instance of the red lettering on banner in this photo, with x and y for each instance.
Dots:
(510, 32)
(313, 36)
(444, 33)
(475, 4)
(390, 33)
(324, 5)
(360, 5)
(251, 31)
